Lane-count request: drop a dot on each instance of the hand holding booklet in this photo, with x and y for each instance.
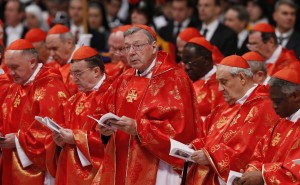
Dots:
(233, 176)
(181, 150)
(48, 122)
(103, 121)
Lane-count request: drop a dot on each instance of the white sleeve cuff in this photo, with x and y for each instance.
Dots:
(84, 161)
(262, 173)
(25, 161)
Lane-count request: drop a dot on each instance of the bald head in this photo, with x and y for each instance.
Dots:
(116, 46)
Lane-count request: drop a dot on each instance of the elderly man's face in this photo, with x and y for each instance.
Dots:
(230, 86)
(84, 77)
(59, 50)
(139, 51)
(116, 47)
(21, 66)
(255, 43)
(281, 102)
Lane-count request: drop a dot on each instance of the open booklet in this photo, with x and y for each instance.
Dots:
(296, 161)
(233, 175)
(103, 120)
(48, 122)
(181, 150)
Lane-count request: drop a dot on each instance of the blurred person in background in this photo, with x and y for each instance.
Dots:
(258, 12)
(14, 28)
(112, 8)
(285, 19)
(237, 18)
(34, 18)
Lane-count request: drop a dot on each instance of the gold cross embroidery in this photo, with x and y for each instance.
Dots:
(17, 101)
(132, 95)
(79, 108)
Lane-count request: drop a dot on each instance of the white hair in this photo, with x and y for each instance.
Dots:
(37, 12)
(234, 71)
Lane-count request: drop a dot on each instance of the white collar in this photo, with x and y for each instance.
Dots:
(147, 73)
(242, 100)
(284, 35)
(16, 29)
(242, 36)
(294, 117)
(76, 47)
(211, 28)
(37, 69)
(97, 86)
(209, 74)
(74, 28)
(184, 24)
(267, 80)
(1, 71)
(274, 56)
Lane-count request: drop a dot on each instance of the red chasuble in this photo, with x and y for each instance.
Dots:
(115, 69)
(41, 97)
(230, 136)
(286, 58)
(88, 141)
(275, 153)
(163, 108)
(208, 95)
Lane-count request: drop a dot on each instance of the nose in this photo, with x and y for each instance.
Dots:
(51, 52)
(11, 72)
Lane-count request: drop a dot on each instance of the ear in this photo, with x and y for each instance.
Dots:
(243, 78)
(97, 71)
(296, 97)
(33, 61)
(155, 47)
(261, 76)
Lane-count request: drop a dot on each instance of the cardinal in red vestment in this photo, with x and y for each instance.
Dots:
(273, 159)
(155, 101)
(231, 131)
(36, 91)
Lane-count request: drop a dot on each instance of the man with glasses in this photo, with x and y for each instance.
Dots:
(262, 39)
(37, 91)
(61, 46)
(82, 149)
(272, 162)
(154, 101)
(198, 63)
(118, 62)
(231, 131)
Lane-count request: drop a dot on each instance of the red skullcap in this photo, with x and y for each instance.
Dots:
(253, 56)
(263, 27)
(189, 33)
(35, 35)
(235, 61)
(58, 29)
(20, 44)
(84, 52)
(147, 28)
(290, 74)
(202, 42)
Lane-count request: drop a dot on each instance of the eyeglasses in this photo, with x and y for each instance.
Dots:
(135, 47)
(77, 74)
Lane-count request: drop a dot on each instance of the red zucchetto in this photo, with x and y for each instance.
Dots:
(35, 35)
(290, 74)
(84, 52)
(58, 29)
(235, 61)
(201, 41)
(20, 44)
(189, 33)
(253, 56)
(147, 28)
(263, 27)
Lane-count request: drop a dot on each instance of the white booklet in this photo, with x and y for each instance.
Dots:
(232, 176)
(181, 150)
(104, 118)
(296, 161)
(48, 122)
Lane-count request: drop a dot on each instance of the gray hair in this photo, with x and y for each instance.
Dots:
(286, 87)
(234, 71)
(290, 3)
(135, 29)
(257, 66)
(243, 15)
(65, 36)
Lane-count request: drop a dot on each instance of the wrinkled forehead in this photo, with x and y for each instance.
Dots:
(223, 72)
(53, 39)
(137, 37)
